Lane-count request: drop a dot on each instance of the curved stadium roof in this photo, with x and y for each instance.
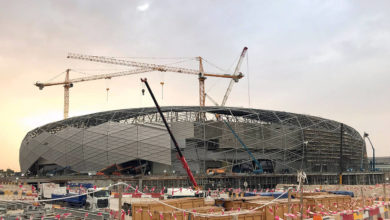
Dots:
(267, 116)
(52, 141)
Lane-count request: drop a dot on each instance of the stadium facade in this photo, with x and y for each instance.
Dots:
(135, 141)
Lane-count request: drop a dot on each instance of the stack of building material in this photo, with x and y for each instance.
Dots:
(143, 210)
(261, 208)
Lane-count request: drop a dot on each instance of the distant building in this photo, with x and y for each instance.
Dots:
(382, 164)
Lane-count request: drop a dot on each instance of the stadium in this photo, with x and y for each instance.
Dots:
(135, 141)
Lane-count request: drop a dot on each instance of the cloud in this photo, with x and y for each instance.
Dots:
(327, 59)
(143, 7)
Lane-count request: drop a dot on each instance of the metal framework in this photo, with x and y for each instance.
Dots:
(291, 141)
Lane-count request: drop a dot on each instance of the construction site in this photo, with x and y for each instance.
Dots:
(192, 162)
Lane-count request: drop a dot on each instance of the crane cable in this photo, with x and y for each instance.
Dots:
(228, 70)
(247, 69)
(56, 76)
(214, 65)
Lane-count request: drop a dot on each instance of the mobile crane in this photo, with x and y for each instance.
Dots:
(179, 153)
(257, 163)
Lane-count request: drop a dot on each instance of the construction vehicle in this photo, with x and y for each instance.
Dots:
(179, 153)
(92, 200)
(70, 200)
(372, 163)
(215, 171)
(46, 190)
(97, 199)
(257, 163)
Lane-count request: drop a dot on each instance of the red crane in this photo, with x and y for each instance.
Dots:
(180, 154)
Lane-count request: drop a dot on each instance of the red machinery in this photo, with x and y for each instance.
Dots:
(181, 156)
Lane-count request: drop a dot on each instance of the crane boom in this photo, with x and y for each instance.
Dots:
(156, 67)
(236, 72)
(93, 77)
(162, 68)
(142, 68)
(68, 83)
(180, 154)
(373, 150)
(258, 164)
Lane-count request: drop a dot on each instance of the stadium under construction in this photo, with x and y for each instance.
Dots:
(135, 144)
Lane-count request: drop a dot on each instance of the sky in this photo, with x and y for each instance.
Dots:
(323, 58)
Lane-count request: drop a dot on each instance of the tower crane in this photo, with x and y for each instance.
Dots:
(202, 75)
(68, 83)
(143, 67)
(229, 89)
(236, 72)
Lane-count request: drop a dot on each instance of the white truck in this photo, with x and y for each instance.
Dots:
(94, 199)
(46, 190)
(97, 200)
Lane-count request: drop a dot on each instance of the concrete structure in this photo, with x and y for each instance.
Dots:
(381, 163)
(136, 141)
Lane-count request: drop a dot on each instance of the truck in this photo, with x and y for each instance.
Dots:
(70, 200)
(93, 199)
(46, 190)
(97, 199)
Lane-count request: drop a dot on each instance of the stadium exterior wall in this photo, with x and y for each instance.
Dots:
(289, 141)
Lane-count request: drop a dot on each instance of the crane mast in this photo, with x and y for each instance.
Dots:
(202, 78)
(67, 85)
